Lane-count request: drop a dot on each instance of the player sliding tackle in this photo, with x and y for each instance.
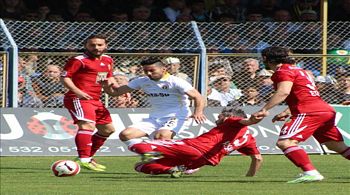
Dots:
(174, 157)
(169, 99)
(309, 114)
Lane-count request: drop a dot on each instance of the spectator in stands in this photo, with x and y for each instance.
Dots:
(184, 18)
(308, 16)
(140, 14)
(344, 89)
(72, 7)
(221, 90)
(326, 87)
(232, 8)
(198, 11)
(247, 74)
(43, 11)
(173, 10)
(340, 11)
(265, 84)
(30, 15)
(54, 17)
(12, 9)
(267, 8)
(49, 88)
(26, 92)
(301, 5)
(226, 18)
(174, 66)
(84, 16)
(282, 15)
(119, 16)
(250, 97)
(254, 15)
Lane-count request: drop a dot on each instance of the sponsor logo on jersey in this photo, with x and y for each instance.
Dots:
(159, 94)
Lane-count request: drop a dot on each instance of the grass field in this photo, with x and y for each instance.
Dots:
(32, 175)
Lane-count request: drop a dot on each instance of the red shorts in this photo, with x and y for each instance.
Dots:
(321, 125)
(88, 110)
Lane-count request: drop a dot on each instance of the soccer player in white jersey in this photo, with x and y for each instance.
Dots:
(169, 99)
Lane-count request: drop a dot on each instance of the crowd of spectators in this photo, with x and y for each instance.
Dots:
(171, 10)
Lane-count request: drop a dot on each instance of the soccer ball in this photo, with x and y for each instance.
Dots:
(64, 168)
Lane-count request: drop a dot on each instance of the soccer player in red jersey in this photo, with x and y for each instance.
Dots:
(176, 156)
(309, 114)
(82, 76)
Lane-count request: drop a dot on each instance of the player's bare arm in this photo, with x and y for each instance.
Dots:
(255, 164)
(283, 90)
(117, 91)
(68, 83)
(282, 116)
(198, 114)
(250, 121)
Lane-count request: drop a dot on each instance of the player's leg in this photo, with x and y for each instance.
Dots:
(83, 114)
(299, 129)
(169, 127)
(330, 136)
(104, 128)
(134, 133)
(339, 147)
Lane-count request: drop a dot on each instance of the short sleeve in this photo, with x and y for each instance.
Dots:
(136, 83)
(183, 85)
(283, 75)
(71, 67)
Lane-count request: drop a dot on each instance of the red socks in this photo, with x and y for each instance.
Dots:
(299, 157)
(83, 143)
(97, 142)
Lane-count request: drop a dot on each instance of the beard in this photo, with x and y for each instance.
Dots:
(93, 54)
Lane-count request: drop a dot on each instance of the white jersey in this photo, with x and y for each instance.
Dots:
(166, 96)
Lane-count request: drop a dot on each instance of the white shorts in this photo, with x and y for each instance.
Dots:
(150, 125)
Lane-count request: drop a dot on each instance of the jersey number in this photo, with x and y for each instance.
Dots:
(311, 85)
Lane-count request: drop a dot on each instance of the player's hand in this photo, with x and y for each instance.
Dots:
(199, 117)
(281, 117)
(84, 96)
(261, 114)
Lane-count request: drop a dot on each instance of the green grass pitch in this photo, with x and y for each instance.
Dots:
(32, 175)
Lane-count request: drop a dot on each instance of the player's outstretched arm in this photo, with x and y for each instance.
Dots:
(251, 120)
(116, 91)
(198, 114)
(255, 164)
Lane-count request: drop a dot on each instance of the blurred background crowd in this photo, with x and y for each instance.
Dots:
(235, 11)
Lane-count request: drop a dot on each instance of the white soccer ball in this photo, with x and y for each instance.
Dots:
(64, 168)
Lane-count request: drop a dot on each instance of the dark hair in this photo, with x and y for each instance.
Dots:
(277, 55)
(96, 36)
(228, 112)
(150, 61)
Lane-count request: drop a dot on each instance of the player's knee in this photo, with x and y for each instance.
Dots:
(286, 143)
(126, 134)
(257, 157)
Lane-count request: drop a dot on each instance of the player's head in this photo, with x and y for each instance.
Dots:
(229, 112)
(153, 68)
(95, 45)
(276, 55)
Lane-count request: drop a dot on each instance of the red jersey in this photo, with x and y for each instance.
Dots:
(221, 140)
(87, 72)
(304, 96)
